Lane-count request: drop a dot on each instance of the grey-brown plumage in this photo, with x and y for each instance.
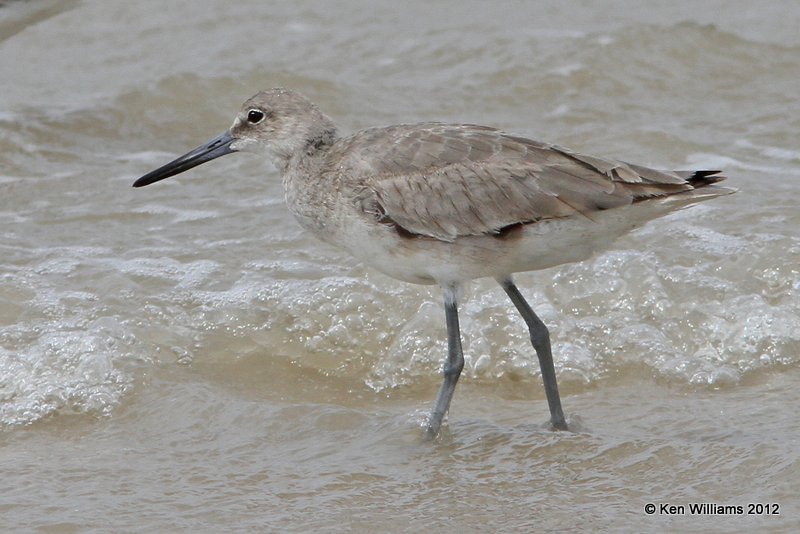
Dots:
(446, 203)
(452, 180)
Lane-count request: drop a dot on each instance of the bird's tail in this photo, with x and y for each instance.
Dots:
(702, 187)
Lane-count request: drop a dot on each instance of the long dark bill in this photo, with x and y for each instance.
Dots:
(219, 146)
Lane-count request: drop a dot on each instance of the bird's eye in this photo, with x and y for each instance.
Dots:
(254, 116)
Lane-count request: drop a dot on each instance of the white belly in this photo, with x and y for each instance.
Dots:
(425, 260)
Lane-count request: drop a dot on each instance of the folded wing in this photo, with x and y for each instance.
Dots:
(448, 181)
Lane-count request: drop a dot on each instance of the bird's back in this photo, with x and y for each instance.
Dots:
(447, 181)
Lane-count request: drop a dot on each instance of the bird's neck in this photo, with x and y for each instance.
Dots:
(309, 156)
(309, 189)
(311, 143)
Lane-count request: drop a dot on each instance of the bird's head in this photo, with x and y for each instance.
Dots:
(278, 123)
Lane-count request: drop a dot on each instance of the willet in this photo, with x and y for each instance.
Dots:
(435, 203)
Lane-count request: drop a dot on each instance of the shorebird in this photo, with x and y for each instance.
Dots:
(435, 203)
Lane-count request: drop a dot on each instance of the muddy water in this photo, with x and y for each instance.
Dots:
(186, 358)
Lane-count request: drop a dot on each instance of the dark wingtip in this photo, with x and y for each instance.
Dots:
(704, 178)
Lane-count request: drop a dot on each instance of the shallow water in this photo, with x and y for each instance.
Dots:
(185, 358)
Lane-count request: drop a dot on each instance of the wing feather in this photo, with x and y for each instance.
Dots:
(447, 181)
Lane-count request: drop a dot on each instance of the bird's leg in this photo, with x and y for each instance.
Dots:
(540, 339)
(453, 366)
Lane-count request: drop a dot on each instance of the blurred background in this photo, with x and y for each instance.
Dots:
(185, 358)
